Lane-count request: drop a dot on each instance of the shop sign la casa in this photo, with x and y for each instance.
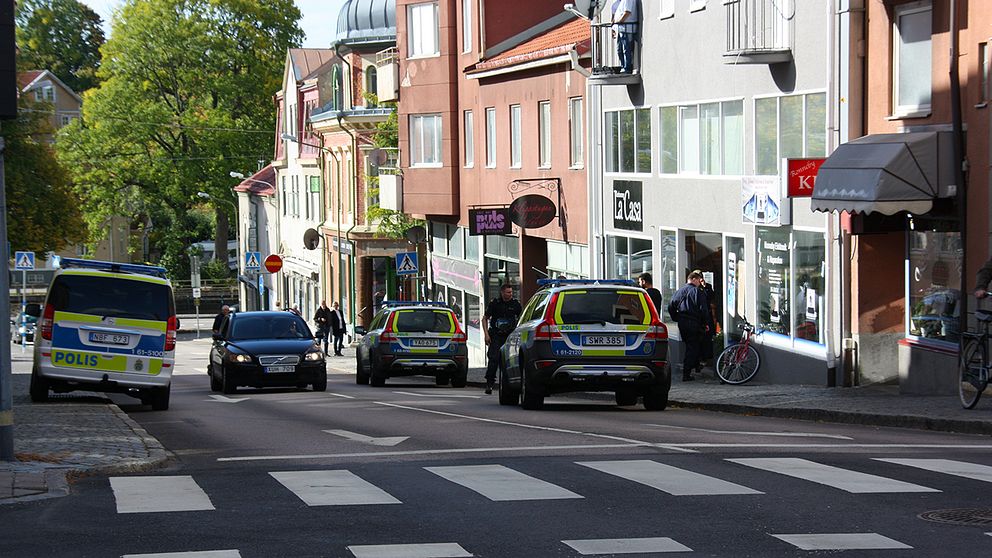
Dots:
(627, 205)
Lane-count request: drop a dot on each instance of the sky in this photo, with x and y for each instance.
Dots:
(320, 18)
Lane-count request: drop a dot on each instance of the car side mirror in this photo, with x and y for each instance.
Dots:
(360, 330)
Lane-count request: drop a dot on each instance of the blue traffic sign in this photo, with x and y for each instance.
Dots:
(261, 284)
(253, 260)
(406, 263)
(24, 261)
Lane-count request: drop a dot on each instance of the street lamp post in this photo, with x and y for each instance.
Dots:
(237, 237)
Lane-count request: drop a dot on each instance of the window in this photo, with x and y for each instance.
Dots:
(315, 201)
(515, 136)
(575, 132)
(628, 257)
(667, 279)
(774, 279)
(296, 196)
(472, 248)
(568, 260)
(285, 197)
(703, 139)
(49, 93)
(984, 61)
(423, 30)
(425, 140)
(466, 25)
(371, 86)
(810, 253)
(65, 120)
(669, 140)
(667, 9)
(628, 141)
(791, 126)
(911, 65)
(468, 132)
(337, 90)
(696, 5)
(544, 125)
(456, 242)
(439, 235)
(491, 137)
(790, 283)
(934, 278)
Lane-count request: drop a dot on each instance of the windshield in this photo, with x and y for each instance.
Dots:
(602, 307)
(109, 296)
(423, 321)
(288, 326)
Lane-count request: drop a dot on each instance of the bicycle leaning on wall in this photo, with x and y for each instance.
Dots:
(739, 362)
(973, 367)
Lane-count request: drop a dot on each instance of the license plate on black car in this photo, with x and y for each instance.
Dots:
(109, 338)
(603, 340)
(423, 343)
(279, 369)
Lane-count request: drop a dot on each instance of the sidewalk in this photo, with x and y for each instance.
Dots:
(84, 433)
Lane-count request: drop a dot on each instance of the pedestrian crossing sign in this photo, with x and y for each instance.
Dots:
(24, 261)
(406, 263)
(253, 260)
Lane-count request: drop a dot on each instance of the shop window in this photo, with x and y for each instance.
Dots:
(774, 260)
(628, 257)
(628, 141)
(809, 255)
(439, 236)
(456, 242)
(735, 299)
(912, 54)
(473, 317)
(790, 126)
(472, 248)
(667, 280)
(934, 277)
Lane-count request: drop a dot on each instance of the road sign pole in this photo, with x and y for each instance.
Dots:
(24, 306)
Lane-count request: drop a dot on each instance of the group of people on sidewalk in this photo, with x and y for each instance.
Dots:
(330, 321)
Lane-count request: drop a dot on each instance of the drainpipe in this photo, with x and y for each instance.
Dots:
(959, 162)
(829, 218)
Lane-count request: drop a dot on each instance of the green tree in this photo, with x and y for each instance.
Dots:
(185, 97)
(63, 36)
(42, 214)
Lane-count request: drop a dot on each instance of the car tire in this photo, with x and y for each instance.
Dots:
(227, 383)
(626, 398)
(158, 398)
(38, 388)
(441, 379)
(530, 398)
(656, 399)
(361, 376)
(215, 384)
(377, 376)
(507, 395)
(460, 379)
(321, 383)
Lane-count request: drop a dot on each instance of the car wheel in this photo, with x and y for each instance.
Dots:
(158, 398)
(441, 379)
(460, 378)
(321, 383)
(38, 387)
(530, 398)
(656, 399)
(626, 398)
(377, 376)
(214, 382)
(361, 376)
(507, 395)
(227, 383)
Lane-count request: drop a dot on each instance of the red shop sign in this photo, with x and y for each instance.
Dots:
(802, 176)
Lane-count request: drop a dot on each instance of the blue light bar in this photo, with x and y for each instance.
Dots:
(623, 282)
(114, 267)
(415, 303)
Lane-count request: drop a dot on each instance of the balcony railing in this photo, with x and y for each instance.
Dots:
(606, 67)
(759, 31)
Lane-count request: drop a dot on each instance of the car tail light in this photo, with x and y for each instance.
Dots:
(170, 333)
(657, 331)
(387, 335)
(47, 321)
(548, 330)
(459, 336)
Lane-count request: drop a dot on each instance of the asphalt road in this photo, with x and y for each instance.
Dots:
(412, 470)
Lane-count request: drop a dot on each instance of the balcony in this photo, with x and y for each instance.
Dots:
(606, 69)
(759, 31)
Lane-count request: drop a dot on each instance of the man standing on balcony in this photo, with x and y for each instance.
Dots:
(625, 20)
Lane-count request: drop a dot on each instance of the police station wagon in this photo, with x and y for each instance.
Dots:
(587, 335)
(107, 327)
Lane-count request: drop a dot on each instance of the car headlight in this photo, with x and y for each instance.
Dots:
(314, 356)
(238, 358)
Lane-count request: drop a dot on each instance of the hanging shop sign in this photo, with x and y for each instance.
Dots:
(532, 211)
(801, 175)
(627, 208)
(762, 203)
(489, 221)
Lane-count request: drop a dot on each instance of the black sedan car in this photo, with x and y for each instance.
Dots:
(265, 349)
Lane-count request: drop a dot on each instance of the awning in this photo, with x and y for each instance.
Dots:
(887, 173)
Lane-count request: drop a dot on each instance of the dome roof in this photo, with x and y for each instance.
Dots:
(367, 21)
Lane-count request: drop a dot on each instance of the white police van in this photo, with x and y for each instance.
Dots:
(108, 327)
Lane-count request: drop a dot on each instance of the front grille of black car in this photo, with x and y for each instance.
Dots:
(276, 360)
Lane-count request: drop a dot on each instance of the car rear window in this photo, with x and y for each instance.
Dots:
(112, 297)
(423, 321)
(602, 307)
(288, 326)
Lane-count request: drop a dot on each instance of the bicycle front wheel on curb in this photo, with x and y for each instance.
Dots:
(973, 376)
(737, 364)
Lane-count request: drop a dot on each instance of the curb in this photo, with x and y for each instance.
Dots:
(157, 453)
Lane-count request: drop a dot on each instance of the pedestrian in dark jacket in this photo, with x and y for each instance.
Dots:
(338, 328)
(690, 308)
(498, 322)
(323, 320)
(645, 282)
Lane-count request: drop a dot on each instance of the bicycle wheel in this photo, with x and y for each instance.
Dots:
(738, 364)
(972, 372)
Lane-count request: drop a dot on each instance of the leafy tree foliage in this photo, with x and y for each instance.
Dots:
(184, 98)
(63, 36)
(42, 214)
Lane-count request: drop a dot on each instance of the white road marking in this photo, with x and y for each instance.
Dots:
(750, 433)
(200, 554)
(438, 395)
(850, 481)
(502, 484)
(384, 441)
(341, 395)
(842, 541)
(430, 550)
(956, 468)
(425, 452)
(332, 488)
(675, 481)
(593, 547)
(838, 445)
(223, 399)
(158, 494)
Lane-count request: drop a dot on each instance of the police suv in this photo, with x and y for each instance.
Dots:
(106, 327)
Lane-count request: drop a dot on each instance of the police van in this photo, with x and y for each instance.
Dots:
(108, 327)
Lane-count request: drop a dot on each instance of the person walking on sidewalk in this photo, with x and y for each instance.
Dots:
(690, 308)
(323, 320)
(645, 282)
(219, 318)
(338, 328)
(499, 320)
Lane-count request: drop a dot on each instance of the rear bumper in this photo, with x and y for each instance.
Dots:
(600, 376)
(254, 376)
(409, 366)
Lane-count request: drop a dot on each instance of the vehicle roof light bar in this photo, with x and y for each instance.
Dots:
(624, 282)
(415, 303)
(115, 267)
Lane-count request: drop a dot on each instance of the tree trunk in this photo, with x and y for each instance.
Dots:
(220, 236)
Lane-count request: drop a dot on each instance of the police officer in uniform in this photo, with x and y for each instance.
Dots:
(498, 322)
